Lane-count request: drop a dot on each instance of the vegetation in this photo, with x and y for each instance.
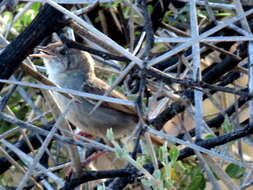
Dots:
(185, 68)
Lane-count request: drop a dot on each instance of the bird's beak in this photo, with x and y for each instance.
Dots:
(41, 55)
(44, 53)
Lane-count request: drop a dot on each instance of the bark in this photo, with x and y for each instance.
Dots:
(47, 21)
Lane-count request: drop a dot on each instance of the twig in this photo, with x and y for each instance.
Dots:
(94, 175)
(28, 160)
(202, 36)
(70, 91)
(104, 55)
(198, 95)
(199, 85)
(100, 35)
(44, 24)
(203, 146)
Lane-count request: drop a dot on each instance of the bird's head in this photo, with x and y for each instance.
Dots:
(58, 58)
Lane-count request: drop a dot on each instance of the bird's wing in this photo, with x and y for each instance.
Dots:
(99, 87)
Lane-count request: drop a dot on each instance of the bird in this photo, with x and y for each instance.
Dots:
(75, 69)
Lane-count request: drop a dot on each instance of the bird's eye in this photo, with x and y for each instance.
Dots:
(63, 51)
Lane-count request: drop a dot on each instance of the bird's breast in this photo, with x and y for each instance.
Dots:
(78, 113)
(100, 121)
(71, 80)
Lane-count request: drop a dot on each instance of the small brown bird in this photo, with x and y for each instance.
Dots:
(74, 69)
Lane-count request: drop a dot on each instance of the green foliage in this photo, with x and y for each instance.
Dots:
(198, 183)
(24, 20)
(27, 17)
(209, 136)
(120, 152)
(150, 9)
(19, 107)
(11, 177)
(146, 182)
(235, 171)
(173, 175)
(174, 154)
(5, 126)
(113, 5)
(227, 126)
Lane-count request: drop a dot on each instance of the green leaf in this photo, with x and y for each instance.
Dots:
(167, 168)
(146, 182)
(198, 183)
(227, 126)
(201, 14)
(174, 154)
(109, 134)
(168, 183)
(165, 153)
(36, 6)
(140, 161)
(224, 14)
(150, 9)
(209, 136)
(7, 17)
(235, 171)
(157, 174)
(119, 151)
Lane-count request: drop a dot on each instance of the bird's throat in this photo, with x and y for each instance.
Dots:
(72, 79)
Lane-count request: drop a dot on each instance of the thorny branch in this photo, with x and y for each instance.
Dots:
(215, 77)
